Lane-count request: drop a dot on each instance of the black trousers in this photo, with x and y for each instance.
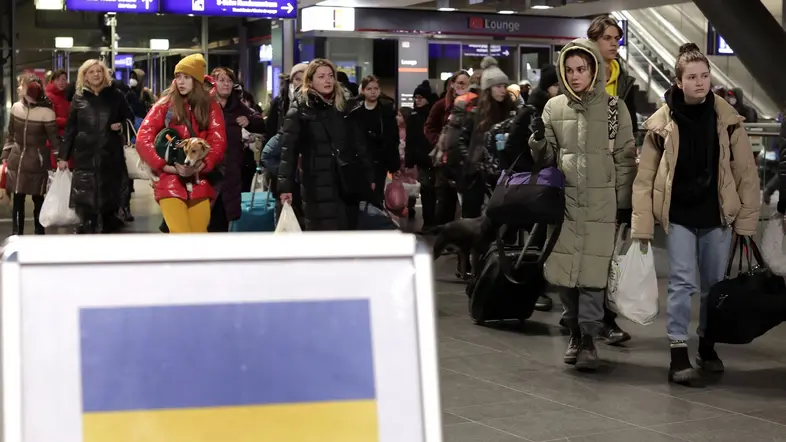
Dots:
(218, 216)
(18, 214)
(428, 196)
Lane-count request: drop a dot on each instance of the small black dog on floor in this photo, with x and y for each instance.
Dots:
(471, 237)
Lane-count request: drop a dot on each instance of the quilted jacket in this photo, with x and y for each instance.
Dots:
(171, 185)
(738, 178)
(591, 139)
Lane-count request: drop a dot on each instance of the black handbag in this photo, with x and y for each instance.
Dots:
(742, 308)
(352, 174)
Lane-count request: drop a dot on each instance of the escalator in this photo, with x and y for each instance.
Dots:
(661, 31)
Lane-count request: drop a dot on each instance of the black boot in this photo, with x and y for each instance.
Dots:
(681, 371)
(126, 214)
(544, 303)
(587, 359)
(708, 359)
(38, 203)
(18, 215)
(613, 334)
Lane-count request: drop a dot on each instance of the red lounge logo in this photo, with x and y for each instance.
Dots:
(476, 23)
(494, 25)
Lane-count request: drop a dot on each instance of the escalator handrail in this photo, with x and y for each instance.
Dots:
(651, 63)
(655, 88)
(676, 36)
(652, 43)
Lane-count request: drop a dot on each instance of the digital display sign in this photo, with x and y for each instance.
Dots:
(119, 6)
(124, 61)
(232, 8)
(482, 50)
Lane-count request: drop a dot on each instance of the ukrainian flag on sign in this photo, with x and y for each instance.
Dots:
(273, 371)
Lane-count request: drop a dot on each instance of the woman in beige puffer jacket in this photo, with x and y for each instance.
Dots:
(697, 177)
(589, 135)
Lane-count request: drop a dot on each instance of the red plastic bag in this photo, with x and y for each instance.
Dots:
(396, 198)
(3, 175)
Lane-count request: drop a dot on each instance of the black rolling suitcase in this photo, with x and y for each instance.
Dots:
(510, 280)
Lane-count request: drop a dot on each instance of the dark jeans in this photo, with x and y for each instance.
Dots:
(218, 217)
(428, 196)
(18, 215)
(380, 177)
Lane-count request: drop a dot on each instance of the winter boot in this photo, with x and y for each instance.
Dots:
(587, 359)
(681, 371)
(574, 342)
(708, 359)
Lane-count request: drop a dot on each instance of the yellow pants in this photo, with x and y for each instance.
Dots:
(186, 216)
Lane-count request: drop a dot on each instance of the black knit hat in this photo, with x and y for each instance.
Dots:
(548, 77)
(423, 89)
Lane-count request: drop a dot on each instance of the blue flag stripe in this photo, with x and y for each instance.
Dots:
(146, 358)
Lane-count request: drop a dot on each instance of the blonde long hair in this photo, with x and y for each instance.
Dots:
(198, 98)
(81, 85)
(338, 93)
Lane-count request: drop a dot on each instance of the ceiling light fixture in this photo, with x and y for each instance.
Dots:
(506, 12)
(446, 9)
(541, 7)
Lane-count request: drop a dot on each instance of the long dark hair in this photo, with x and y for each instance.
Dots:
(492, 111)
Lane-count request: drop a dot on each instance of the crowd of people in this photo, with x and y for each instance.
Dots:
(329, 149)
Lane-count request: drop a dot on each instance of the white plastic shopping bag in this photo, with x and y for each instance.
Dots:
(636, 294)
(287, 222)
(772, 246)
(55, 211)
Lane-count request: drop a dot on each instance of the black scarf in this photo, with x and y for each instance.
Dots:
(697, 160)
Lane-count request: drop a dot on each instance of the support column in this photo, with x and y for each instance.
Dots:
(205, 42)
(282, 37)
(756, 37)
(244, 68)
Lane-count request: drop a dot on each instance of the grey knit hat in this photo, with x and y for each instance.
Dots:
(492, 74)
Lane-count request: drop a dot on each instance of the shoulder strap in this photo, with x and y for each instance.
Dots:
(168, 118)
(614, 123)
(190, 128)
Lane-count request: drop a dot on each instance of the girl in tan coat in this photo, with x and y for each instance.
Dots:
(698, 178)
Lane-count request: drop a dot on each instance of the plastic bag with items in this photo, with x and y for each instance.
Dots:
(56, 211)
(287, 222)
(636, 294)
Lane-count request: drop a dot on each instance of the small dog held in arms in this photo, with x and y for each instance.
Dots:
(194, 151)
(471, 237)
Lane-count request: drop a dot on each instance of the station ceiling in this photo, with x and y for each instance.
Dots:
(572, 9)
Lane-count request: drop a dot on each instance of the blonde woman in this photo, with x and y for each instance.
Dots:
(94, 142)
(336, 173)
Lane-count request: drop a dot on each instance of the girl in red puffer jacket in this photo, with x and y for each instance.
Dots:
(186, 102)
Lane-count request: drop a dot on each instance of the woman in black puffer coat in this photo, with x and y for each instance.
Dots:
(318, 128)
(94, 142)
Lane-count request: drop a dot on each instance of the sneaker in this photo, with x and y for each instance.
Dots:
(613, 334)
(571, 354)
(587, 358)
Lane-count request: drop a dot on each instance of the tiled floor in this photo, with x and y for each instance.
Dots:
(507, 383)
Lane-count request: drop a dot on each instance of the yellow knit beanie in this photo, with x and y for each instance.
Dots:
(194, 65)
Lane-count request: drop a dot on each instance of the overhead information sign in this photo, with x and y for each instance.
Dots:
(121, 6)
(232, 8)
(481, 50)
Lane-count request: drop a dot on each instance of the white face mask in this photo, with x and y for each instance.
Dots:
(132, 82)
(732, 101)
(460, 92)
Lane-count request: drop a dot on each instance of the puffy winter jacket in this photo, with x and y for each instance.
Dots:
(171, 185)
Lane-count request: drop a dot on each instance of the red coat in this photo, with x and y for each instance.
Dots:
(61, 107)
(170, 185)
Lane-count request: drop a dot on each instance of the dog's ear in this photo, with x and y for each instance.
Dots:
(182, 144)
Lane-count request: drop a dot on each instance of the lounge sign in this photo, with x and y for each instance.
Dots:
(481, 23)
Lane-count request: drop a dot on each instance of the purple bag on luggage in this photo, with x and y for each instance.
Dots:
(519, 200)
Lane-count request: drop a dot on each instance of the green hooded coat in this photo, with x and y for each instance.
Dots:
(591, 138)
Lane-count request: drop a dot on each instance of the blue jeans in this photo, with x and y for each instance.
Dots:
(691, 250)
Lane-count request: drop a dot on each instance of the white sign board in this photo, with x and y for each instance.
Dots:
(239, 337)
